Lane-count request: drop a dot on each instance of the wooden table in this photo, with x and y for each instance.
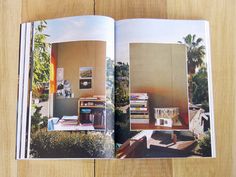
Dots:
(152, 126)
(220, 13)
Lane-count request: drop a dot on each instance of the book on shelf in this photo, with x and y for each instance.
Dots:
(139, 121)
(84, 80)
(138, 116)
(144, 109)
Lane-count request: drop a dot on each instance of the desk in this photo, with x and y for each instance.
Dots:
(60, 127)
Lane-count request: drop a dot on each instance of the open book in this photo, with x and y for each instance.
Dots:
(93, 87)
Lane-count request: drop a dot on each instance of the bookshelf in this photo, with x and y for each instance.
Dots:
(92, 112)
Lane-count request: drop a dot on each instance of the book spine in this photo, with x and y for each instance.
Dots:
(138, 109)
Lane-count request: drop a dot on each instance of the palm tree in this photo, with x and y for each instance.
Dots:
(195, 55)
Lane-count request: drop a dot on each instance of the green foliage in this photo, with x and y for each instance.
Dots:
(37, 120)
(121, 84)
(205, 145)
(200, 88)
(110, 79)
(41, 56)
(122, 127)
(71, 145)
(122, 124)
(195, 55)
(195, 52)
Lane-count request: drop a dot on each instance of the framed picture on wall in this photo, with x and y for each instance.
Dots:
(85, 83)
(86, 72)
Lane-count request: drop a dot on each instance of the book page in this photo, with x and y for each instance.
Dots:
(71, 86)
(163, 92)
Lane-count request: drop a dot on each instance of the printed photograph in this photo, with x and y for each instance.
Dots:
(86, 72)
(158, 92)
(85, 84)
(69, 117)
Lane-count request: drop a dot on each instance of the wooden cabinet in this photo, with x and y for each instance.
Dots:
(92, 111)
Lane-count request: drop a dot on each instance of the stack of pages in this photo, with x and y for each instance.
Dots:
(69, 120)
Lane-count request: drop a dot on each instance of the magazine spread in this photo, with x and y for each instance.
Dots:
(92, 87)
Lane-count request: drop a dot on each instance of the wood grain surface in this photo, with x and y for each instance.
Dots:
(221, 15)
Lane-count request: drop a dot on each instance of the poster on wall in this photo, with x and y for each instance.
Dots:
(85, 84)
(86, 72)
(60, 74)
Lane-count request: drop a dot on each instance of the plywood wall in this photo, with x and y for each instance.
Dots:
(161, 71)
(73, 55)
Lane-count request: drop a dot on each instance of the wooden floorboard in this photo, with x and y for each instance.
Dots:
(122, 9)
(45, 9)
(9, 44)
(133, 168)
(56, 168)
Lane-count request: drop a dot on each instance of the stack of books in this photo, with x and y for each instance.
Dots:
(69, 120)
(139, 112)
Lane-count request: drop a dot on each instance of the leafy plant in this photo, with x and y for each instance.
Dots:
(71, 145)
(121, 84)
(37, 120)
(200, 88)
(205, 145)
(110, 79)
(195, 54)
(122, 123)
(122, 127)
(41, 62)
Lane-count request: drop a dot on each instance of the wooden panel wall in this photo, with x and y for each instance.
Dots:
(158, 70)
(73, 55)
(221, 15)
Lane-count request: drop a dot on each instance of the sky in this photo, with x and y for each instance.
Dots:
(154, 31)
(82, 28)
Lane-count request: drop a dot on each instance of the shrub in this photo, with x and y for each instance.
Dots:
(200, 88)
(71, 145)
(205, 145)
(122, 127)
(37, 120)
